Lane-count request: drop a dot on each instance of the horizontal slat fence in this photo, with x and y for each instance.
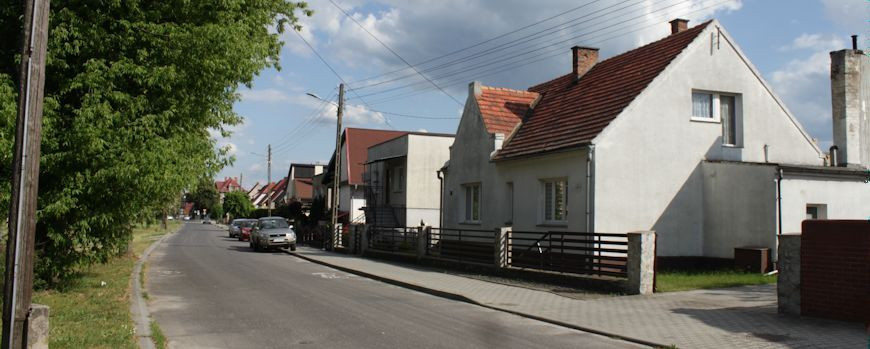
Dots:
(569, 252)
(463, 245)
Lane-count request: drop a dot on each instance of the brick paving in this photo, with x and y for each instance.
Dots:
(740, 317)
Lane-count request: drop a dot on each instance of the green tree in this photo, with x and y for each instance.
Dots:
(238, 204)
(134, 89)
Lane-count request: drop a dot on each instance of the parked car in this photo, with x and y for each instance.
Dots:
(272, 232)
(206, 220)
(241, 228)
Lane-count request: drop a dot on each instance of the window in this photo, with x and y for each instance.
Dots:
(719, 107)
(702, 105)
(398, 180)
(817, 211)
(555, 200)
(729, 120)
(472, 202)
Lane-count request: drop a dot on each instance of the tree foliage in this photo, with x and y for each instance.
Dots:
(238, 204)
(133, 89)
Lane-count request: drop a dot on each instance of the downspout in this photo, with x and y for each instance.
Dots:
(440, 199)
(778, 218)
(590, 189)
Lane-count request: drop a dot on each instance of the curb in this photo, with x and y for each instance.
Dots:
(462, 298)
(138, 305)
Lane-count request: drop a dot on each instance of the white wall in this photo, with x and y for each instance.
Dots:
(648, 161)
(426, 155)
(845, 198)
(740, 207)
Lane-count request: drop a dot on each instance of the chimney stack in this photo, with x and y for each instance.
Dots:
(584, 59)
(850, 94)
(679, 25)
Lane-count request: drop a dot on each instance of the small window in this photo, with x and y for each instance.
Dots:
(398, 180)
(817, 211)
(555, 200)
(729, 120)
(702, 105)
(472, 202)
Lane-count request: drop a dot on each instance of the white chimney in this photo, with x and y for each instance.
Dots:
(850, 94)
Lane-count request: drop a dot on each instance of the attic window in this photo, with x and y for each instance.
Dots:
(702, 105)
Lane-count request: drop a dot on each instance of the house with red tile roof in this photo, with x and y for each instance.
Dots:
(682, 136)
(227, 185)
(271, 195)
(300, 187)
(355, 143)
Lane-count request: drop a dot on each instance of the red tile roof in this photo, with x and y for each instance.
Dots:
(572, 114)
(502, 109)
(357, 141)
(227, 185)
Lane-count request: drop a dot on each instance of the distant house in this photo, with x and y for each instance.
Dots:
(227, 185)
(402, 187)
(355, 143)
(271, 195)
(682, 136)
(300, 186)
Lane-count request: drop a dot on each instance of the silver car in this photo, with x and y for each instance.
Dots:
(272, 232)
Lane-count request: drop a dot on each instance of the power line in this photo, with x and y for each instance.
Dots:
(550, 45)
(486, 41)
(510, 44)
(394, 53)
(558, 53)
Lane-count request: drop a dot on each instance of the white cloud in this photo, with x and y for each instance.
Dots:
(270, 95)
(354, 115)
(423, 130)
(851, 15)
(804, 83)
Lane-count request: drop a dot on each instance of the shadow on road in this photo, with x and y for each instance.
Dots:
(247, 248)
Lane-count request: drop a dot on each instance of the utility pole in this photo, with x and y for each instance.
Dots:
(336, 174)
(269, 179)
(18, 289)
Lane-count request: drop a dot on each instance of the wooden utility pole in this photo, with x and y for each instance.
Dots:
(18, 288)
(269, 179)
(336, 173)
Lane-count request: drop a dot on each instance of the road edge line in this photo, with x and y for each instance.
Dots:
(138, 304)
(462, 298)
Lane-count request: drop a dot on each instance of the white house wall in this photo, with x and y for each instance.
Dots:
(469, 163)
(648, 161)
(845, 199)
(426, 155)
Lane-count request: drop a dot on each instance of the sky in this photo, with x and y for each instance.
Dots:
(408, 63)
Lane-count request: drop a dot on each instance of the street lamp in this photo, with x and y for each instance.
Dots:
(336, 172)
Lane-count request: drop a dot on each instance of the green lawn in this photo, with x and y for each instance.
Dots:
(669, 281)
(88, 315)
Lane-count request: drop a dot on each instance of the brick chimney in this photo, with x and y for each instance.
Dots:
(584, 59)
(679, 25)
(850, 94)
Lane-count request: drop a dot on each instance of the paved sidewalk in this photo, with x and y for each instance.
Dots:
(741, 317)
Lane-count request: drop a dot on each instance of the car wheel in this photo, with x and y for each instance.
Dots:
(292, 247)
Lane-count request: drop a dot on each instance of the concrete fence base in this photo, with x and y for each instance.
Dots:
(788, 279)
(641, 262)
(37, 327)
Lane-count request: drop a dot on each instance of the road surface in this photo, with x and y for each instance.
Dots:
(208, 291)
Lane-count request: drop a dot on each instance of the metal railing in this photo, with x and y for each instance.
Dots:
(569, 252)
(463, 245)
(312, 236)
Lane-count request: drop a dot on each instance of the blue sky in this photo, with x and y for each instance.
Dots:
(787, 40)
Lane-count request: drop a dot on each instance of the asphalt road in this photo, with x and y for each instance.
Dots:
(208, 291)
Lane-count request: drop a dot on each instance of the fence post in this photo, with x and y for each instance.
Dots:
(502, 235)
(641, 262)
(364, 240)
(788, 280)
(421, 242)
(37, 331)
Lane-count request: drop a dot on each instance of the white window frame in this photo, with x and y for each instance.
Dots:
(821, 210)
(544, 204)
(717, 115)
(468, 202)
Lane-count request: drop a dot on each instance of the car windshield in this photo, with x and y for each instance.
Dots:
(273, 224)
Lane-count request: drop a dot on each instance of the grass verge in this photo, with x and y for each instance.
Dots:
(94, 310)
(669, 281)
